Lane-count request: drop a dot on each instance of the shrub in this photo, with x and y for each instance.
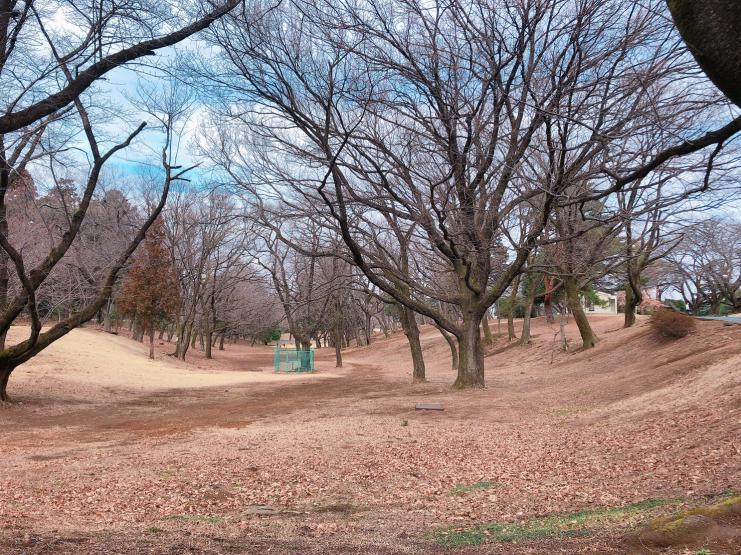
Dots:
(672, 324)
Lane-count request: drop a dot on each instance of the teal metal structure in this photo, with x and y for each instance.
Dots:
(291, 359)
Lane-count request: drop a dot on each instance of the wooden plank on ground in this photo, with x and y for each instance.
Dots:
(428, 406)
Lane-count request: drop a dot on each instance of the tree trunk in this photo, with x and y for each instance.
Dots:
(5, 371)
(411, 330)
(585, 330)
(630, 307)
(452, 344)
(337, 348)
(337, 334)
(206, 343)
(633, 293)
(304, 355)
(221, 342)
(488, 337)
(531, 290)
(512, 306)
(138, 334)
(470, 354)
(151, 341)
(548, 299)
(184, 336)
(108, 320)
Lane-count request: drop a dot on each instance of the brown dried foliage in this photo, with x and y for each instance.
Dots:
(671, 324)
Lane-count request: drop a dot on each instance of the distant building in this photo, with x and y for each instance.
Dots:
(608, 304)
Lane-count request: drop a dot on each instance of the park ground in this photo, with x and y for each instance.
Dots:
(105, 451)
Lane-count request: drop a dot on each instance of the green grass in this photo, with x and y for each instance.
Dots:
(200, 518)
(154, 530)
(557, 526)
(465, 488)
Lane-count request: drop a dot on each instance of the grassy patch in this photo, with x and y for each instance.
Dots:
(465, 488)
(168, 473)
(154, 530)
(562, 525)
(208, 519)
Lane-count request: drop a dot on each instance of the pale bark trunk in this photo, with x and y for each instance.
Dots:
(108, 320)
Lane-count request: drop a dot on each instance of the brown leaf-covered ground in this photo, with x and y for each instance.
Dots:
(104, 451)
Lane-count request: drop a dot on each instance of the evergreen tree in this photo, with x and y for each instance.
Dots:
(150, 291)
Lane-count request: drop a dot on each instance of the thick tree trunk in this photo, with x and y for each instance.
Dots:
(585, 330)
(206, 344)
(711, 29)
(221, 342)
(184, 335)
(630, 307)
(452, 344)
(5, 371)
(108, 320)
(151, 342)
(411, 330)
(470, 354)
(633, 293)
(304, 356)
(337, 348)
(138, 331)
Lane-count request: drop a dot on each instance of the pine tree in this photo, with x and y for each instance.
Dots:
(150, 290)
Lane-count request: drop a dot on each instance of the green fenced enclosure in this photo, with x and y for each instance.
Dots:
(290, 359)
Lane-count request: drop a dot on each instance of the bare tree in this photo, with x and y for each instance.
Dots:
(707, 266)
(46, 85)
(431, 112)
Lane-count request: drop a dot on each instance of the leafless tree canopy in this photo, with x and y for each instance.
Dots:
(430, 136)
(362, 167)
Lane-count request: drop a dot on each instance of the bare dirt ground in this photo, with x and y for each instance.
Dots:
(104, 451)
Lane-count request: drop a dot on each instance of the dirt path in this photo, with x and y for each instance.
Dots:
(340, 462)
